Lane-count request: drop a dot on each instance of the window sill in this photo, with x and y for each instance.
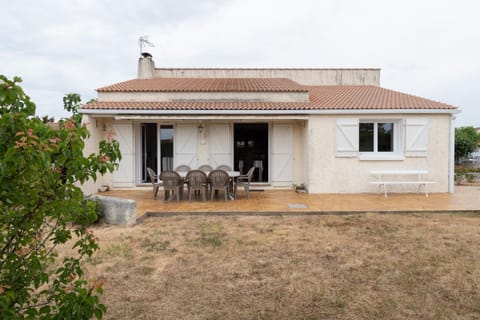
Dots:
(380, 157)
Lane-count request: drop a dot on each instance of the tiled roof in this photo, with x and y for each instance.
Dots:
(321, 98)
(368, 97)
(206, 85)
(196, 106)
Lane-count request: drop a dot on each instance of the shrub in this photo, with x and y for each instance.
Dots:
(42, 207)
(466, 141)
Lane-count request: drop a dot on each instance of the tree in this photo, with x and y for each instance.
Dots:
(42, 207)
(466, 141)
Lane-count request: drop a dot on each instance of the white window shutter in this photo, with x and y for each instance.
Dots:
(186, 145)
(346, 137)
(220, 142)
(282, 154)
(416, 137)
(124, 175)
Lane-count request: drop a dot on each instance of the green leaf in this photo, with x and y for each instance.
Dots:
(42, 204)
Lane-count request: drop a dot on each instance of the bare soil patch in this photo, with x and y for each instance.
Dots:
(423, 266)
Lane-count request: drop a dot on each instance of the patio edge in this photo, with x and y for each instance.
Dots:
(168, 214)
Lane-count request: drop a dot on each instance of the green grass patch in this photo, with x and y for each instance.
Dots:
(153, 245)
(211, 235)
(119, 250)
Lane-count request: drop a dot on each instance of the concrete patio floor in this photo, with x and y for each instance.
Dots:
(465, 198)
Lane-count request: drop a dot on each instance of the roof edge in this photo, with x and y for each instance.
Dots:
(253, 68)
(247, 112)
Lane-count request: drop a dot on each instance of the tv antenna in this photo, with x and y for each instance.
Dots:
(144, 42)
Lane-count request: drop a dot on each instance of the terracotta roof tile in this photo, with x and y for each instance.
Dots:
(195, 106)
(206, 85)
(368, 97)
(321, 98)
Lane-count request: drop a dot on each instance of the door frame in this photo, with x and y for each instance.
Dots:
(269, 138)
(138, 146)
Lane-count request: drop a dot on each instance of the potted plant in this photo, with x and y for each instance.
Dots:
(300, 188)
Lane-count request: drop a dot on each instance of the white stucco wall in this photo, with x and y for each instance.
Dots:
(314, 158)
(96, 128)
(331, 174)
(306, 76)
(299, 152)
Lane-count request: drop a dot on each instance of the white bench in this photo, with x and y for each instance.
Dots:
(401, 177)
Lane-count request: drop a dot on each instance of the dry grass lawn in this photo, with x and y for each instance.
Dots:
(423, 266)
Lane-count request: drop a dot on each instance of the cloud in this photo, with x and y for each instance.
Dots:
(427, 48)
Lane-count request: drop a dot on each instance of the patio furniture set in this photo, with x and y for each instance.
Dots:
(205, 181)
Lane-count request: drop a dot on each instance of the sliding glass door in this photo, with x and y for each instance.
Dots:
(166, 147)
(251, 149)
(149, 149)
(156, 146)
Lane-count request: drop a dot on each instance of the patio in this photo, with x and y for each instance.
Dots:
(267, 202)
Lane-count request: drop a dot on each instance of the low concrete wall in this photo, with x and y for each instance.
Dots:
(118, 211)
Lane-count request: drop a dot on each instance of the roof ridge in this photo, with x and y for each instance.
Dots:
(254, 68)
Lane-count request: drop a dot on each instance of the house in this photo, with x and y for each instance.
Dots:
(326, 128)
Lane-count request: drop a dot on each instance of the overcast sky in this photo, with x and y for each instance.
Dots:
(429, 48)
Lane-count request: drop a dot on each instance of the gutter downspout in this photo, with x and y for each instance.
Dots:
(451, 169)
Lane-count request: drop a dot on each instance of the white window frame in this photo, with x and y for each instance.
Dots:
(396, 154)
(138, 146)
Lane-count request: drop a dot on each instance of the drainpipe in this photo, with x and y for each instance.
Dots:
(451, 169)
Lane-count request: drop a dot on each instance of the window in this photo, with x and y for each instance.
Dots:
(385, 137)
(166, 147)
(381, 139)
(366, 137)
(149, 148)
(377, 137)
